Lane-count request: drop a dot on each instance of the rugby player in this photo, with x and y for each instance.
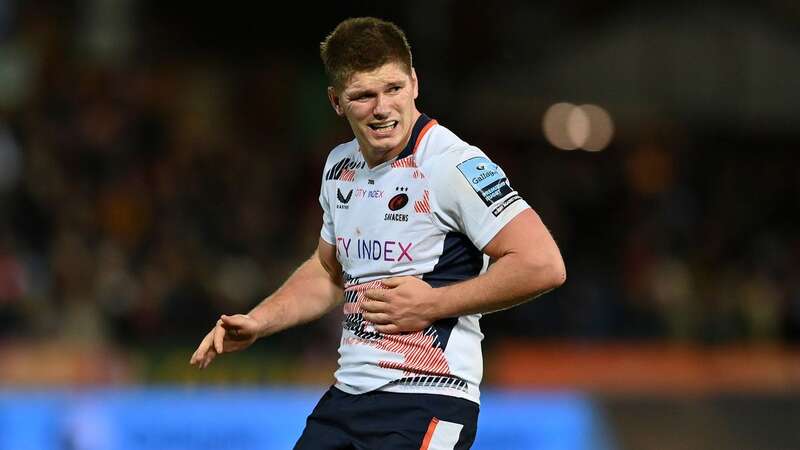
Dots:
(422, 233)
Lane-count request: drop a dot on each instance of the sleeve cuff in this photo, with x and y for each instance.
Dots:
(489, 233)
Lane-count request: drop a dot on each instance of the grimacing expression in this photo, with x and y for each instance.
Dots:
(379, 105)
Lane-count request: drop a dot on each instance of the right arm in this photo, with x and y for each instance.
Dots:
(310, 292)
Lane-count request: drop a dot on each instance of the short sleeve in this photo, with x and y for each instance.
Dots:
(473, 195)
(327, 233)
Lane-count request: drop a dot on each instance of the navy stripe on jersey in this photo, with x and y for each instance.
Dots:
(452, 382)
(460, 261)
(418, 126)
(443, 329)
(335, 172)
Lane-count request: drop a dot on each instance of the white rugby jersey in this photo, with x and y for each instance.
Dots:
(427, 213)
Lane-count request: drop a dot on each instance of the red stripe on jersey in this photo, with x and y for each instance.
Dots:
(408, 161)
(377, 284)
(421, 351)
(355, 307)
(426, 441)
(419, 354)
(424, 130)
(424, 205)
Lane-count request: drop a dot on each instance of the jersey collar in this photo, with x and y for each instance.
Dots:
(420, 127)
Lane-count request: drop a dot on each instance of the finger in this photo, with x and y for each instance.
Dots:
(219, 337)
(208, 358)
(378, 319)
(200, 353)
(236, 334)
(240, 327)
(376, 294)
(238, 321)
(373, 306)
(387, 329)
(230, 330)
(196, 356)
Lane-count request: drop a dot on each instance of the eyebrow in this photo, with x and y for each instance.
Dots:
(388, 84)
(358, 93)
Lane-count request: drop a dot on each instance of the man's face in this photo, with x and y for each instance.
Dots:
(380, 108)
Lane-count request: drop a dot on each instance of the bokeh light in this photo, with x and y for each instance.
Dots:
(569, 127)
(555, 126)
(601, 129)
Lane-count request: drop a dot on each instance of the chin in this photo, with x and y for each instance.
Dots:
(384, 146)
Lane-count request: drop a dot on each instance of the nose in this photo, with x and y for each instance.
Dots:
(381, 109)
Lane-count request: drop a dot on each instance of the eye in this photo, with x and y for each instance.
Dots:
(395, 88)
(361, 98)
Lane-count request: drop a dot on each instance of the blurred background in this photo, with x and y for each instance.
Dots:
(160, 165)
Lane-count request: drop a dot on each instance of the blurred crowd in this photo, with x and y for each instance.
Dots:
(139, 200)
(686, 236)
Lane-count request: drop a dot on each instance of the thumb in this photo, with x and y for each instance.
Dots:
(236, 321)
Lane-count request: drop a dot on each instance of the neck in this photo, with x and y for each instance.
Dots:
(391, 154)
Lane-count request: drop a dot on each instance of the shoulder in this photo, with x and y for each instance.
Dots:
(439, 140)
(456, 158)
(341, 151)
(443, 157)
(462, 169)
(343, 156)
(442, 148)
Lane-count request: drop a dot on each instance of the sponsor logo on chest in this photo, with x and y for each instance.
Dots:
(402, 204)
(395, 217)
(374, 249)
(376, 194)
(397, 203)
(343, 199)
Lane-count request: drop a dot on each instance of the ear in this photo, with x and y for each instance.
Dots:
(334, 99)
(414, 83)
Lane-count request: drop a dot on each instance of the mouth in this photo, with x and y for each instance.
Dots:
(384, 127)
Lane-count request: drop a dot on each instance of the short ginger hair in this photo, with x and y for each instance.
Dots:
(363, 44)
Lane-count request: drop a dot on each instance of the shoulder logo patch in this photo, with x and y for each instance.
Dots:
(486, 178)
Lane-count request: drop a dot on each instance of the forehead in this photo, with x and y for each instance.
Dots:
(391, 72)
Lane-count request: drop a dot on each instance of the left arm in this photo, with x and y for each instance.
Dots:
(527, 263)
